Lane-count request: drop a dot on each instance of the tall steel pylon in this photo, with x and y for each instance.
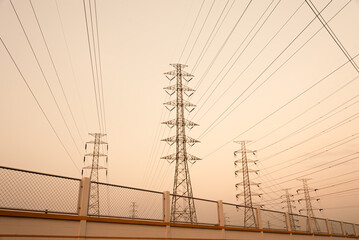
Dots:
(182, 208)
(308, 204)
(288, 200)
(249, 213)
(94, 198)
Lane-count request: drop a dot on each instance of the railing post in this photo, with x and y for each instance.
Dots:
(220, 213)
(83, 203)
(310, 224)
(355, 230)
(259, 218)
(166, 206)
(328, 226)
(84, 194)
(167, 212)
(287, 220)
(342, 227)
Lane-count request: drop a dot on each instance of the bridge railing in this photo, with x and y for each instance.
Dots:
(39, 192)
(33, 191)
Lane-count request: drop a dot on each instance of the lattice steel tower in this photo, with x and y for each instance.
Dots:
(308, 204)
(182, 208)
(94, 199)
(288, 200)
(249, 213)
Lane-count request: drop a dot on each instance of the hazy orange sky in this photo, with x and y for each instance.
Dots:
(138, 41)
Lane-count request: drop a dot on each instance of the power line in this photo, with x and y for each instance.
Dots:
(200, 31)
(281, 107)
(307, 110)
(252, 83)
(194, 24)
(332, 34)
(44, 76)
(55, 69)
(313, 122)
(235, 52)
(210, 39)
(39, 105)
(71, 64)
(92, 67)
(223, 45)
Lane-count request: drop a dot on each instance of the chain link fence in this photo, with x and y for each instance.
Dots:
(349, 229)
(319, 225)
(31, 191)
(206, 210)
(234, 216)
(126, 202)
(273, 220)
(301, 223)
(335, 227)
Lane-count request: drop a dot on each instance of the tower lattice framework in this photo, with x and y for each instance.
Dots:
(94, 198)
(288, 200)
(182, 208)
(308, 204)
(249, 213)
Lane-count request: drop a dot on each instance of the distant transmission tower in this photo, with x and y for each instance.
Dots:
(249, 214)
(133, 210)
(308, 203)
(182, 208)
(94, 201)
(288, 200)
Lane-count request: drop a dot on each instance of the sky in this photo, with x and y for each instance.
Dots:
(264, 71)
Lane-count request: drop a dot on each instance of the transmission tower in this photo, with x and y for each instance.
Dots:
(288, 200)
(308, 203)
(182, 208)
(249, 214)
(133, 210)
(94, 201)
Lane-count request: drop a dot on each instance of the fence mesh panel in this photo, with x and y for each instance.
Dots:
(335, 227)
(301, 223)
(125, 202)
(31, 191)
(273, 220)
(357, 228)
(319, 225)
(206, 211)
(234, 216)
(349, 229)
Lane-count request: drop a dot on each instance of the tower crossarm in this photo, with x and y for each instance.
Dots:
(187, 139)
(249, 171)
(184, 103)
(174, 122)
(172, 157)
(175, 88)
(94, 154)
(250, 182)
(93, 142)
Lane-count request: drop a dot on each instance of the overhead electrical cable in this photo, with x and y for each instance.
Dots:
(306, 110)
(314, 122)
(331, 128)
(39, 105)
(215, 123)
(223, 45)
(200, 31)
(233, 55)
(210, 38)
(56, 72)
(71, 65)
(45, 78)
(189, 35)
(280, 108)
(332, 34)
(92, 66)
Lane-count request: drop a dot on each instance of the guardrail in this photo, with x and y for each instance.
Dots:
(39, 192)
